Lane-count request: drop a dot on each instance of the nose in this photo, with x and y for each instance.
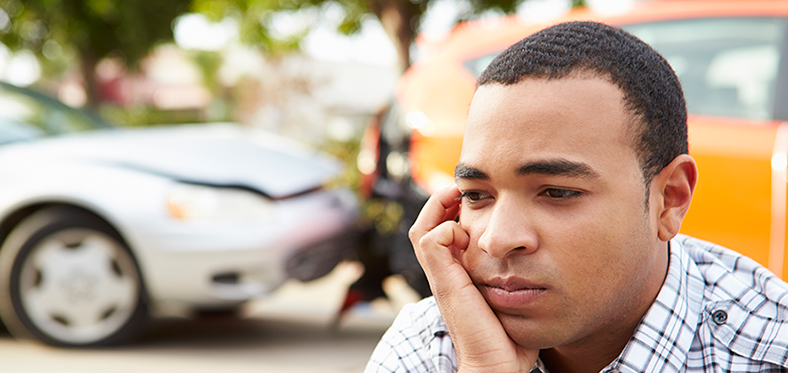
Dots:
(509, 229)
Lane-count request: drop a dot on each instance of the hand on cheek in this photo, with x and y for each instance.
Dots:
(480, 341)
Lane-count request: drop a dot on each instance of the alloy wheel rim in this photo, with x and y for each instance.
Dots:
(78, 286)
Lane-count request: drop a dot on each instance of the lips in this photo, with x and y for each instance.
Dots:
(511, 292)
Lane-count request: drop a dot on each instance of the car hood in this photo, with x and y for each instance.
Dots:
(216, 154)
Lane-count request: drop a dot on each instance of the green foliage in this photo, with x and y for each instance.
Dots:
(92, 27)
(209, 63)
(355, 12)
(347, 153)
(139, 115)
(384, 215)
(253, 16)
(505, 6)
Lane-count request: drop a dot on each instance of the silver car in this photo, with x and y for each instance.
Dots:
(101, 227)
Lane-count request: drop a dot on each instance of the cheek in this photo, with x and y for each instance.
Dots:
(605, 251)
(601, 237)
(472, 222)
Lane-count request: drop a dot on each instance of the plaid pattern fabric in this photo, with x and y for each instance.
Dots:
(718, 311)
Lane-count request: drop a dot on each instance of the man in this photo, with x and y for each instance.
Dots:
(558, 250)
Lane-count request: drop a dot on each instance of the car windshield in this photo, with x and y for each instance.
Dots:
(25, 114)
(727, 66)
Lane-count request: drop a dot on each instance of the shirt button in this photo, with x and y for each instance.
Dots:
(719, 317)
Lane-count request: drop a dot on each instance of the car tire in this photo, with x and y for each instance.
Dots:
(68, 279)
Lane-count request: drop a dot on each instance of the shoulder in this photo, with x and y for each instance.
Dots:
(417, 341)
(744, 311)
(730, 275)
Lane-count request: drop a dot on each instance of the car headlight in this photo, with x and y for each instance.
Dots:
(199, 202)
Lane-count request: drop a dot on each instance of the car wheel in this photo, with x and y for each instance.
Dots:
(67, 279)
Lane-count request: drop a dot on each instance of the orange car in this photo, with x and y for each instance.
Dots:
(732, 60)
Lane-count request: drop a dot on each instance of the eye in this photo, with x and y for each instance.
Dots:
(558, 193)
(473, 196)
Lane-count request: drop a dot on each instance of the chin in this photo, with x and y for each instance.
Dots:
(530, 333)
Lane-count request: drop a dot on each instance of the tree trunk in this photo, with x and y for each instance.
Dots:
(399, 20)
(89, 61)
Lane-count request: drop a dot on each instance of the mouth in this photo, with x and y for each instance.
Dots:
(511, 292)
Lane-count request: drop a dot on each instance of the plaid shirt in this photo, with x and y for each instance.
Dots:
(718, 311)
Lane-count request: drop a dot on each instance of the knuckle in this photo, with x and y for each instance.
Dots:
(413, 234)
(423, 240)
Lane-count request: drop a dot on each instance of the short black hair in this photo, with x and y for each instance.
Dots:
(651, 90)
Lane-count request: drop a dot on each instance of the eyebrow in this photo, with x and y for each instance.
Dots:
(559, 167)
(469, 173)
(555, 167)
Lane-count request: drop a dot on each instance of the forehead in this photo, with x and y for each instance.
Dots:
(580, 119)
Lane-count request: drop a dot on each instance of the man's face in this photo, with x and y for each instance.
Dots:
(562, 244)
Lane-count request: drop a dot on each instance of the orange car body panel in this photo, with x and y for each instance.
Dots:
(735, 210)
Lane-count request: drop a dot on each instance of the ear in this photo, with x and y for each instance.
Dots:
(675, 185)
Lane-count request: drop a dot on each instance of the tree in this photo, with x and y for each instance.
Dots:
(90, 29)
(400, 18)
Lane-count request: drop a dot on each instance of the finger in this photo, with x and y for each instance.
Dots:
(442, 206)
(453, 211)
(437, 252)
(456, 239)
(440, 246)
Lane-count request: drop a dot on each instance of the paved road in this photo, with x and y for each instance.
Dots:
(289, 332)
